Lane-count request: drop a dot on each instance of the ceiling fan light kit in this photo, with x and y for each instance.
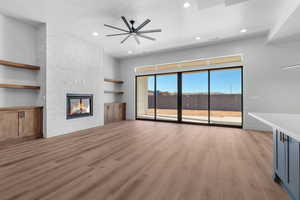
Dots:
(136, 33)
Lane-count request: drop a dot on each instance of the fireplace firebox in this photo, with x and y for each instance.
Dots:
(79, 105)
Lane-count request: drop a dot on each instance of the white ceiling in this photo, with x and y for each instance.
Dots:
(211, 20)
(287, 27)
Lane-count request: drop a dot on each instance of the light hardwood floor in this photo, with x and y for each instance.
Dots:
(140, 160)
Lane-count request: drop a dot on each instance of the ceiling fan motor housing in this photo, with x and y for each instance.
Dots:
(132, 23)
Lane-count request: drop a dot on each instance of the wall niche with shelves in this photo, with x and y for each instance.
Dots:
(22, 67)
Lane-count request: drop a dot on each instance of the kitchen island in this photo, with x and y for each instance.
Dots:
(286, 149)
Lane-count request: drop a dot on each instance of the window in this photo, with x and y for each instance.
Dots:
(213, 96)
(145, 97)
(226, 97)
(195, 97)
(166, 97)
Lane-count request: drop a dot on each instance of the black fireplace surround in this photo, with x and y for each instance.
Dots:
(79, 105)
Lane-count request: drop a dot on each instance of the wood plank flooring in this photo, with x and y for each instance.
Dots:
(141, 160)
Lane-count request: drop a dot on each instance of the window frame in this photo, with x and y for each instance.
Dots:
(179, 96)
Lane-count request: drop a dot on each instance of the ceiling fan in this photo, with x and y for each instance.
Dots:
(132, 31)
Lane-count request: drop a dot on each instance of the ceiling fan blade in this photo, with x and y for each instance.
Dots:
(137, 39)
(117, 34)
(151, 31)
(146, 37)
(126, 22)
(142, 25)
(113, 27)
(126, 38)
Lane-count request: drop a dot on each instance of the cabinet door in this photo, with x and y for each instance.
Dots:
(116, 115)
(109, 113)
(106, 110)
(123, 115)
(30, 123)
(281, 156)
(120, 111)
(292, 161)
(9, 125)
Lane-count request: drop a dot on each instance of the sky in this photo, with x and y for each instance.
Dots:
(222, 81)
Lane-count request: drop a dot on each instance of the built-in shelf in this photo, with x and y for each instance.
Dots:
(113, 92)
(19, 65)
(17, 108)
(113, 81)
(14, 86)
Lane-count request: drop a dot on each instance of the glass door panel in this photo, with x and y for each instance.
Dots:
(145, 97)
(226, 97)
(195, 97)
(166, 97)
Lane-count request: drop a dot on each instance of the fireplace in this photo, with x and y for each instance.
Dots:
(79, 105)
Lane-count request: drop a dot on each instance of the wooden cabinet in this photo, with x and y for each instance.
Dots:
(114, 112)
(20, 122)
(9, 125)
(286, 162)
(30, 123)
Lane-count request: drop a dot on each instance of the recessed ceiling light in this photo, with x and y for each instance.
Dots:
(130, 52)
(95, 34)
(198, 38)
(186, 5)
(244, 30)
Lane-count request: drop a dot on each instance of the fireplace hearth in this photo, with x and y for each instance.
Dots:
(79, 105)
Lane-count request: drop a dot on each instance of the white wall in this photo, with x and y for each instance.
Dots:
(111, 71)
(73, 66)
(18, 43)
(42, 62)
(68, 65)
(267, 88)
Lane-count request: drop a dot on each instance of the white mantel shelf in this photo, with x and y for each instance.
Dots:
(287, 123)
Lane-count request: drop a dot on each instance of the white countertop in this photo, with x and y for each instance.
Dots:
(289, 124)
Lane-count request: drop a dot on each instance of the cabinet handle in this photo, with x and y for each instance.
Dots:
(22, 115)
(282, 138)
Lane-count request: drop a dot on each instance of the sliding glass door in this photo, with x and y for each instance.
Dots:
(145, 101)
(195, 97)
(166, 97)
(212, 96)
(226, 97)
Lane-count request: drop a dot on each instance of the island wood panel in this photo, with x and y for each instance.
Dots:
(19, 65)
(114, 112)
(142, 160)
